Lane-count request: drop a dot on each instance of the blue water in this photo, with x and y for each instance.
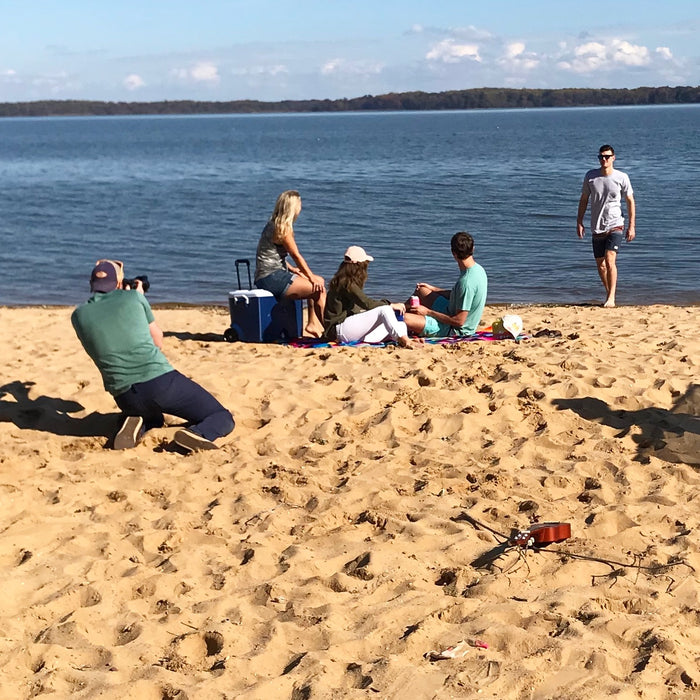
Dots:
(180, 198)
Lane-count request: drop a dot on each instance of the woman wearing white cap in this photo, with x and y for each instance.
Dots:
(352, 316)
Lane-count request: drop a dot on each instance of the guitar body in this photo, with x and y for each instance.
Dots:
(546, 533)
(542, 534)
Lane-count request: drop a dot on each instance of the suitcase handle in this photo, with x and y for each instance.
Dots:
(238, 263)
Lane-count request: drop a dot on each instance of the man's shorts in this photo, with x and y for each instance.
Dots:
(433, 328)
(277, 282)
(610, 241)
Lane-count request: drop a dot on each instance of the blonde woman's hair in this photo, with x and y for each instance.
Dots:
(285, 212)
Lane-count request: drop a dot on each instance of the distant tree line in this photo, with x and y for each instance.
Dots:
(479, 98)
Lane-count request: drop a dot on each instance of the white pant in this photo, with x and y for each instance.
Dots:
(373, 326)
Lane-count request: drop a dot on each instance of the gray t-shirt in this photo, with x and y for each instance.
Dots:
(605, 194)
(269, 256)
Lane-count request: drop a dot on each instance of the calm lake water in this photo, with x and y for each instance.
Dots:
(180, 198)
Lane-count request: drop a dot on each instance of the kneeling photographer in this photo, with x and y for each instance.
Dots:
(117, 328)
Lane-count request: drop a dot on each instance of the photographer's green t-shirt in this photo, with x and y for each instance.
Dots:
(113, 329)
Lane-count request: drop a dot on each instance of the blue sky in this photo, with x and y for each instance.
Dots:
(272, 50)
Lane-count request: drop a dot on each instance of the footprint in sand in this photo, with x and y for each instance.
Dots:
(126, 633)
(197, 648)
(90, 596)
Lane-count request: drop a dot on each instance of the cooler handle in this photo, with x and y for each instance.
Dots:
(238, 263)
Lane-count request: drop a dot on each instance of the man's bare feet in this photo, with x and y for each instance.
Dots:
(609, 304)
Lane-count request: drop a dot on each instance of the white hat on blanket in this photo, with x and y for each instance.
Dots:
(513, 324)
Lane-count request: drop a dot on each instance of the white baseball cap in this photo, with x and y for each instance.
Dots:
(355, 254)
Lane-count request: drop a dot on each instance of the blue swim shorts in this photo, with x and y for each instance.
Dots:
(433, 328)
(610, 241)
(277, 282)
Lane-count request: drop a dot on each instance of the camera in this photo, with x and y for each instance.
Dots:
(133, 283)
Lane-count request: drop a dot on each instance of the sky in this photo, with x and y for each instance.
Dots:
(150, 50)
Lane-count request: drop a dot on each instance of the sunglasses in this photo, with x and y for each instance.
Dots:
(606, 156)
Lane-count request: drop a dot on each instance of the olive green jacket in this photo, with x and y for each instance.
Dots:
(341, 303)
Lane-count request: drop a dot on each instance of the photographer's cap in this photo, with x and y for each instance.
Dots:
(355, 254)
(106, 276)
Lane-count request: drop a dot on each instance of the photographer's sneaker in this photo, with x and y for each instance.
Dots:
(192, 442)
(129, 434)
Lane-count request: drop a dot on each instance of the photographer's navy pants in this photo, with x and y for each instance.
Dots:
(177, 395)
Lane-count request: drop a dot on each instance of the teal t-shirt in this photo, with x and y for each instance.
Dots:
(469, 294)
(113, 329)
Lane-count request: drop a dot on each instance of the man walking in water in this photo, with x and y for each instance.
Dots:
(605, 187)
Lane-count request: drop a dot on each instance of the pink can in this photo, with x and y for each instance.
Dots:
(414, 301)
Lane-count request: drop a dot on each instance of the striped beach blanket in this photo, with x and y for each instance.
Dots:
(452, 340)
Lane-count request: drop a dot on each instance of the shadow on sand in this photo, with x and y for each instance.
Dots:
(52, 415)
(672, 435)
(203, 337)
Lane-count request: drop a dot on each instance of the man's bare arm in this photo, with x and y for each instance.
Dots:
(582, 206)
(156, 334)
(632, 214)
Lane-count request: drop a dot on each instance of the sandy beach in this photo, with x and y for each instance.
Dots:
(332, 542)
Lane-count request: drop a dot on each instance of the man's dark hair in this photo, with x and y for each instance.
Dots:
(462, 245)
(606, 147)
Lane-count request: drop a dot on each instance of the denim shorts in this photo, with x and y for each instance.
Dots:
(277, 282)
(610, 241)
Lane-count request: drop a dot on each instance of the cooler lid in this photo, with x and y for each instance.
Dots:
(250, 293)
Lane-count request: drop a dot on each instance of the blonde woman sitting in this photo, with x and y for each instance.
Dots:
(351, 316)
(274, 274)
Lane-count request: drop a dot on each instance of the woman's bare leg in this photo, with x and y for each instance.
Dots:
(314, 322)
(301, 288)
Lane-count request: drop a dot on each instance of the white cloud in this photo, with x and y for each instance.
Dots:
(598, 56)
(278, 69)
(449, 51)
(205, 72)
(54, 79)
(133, 82)
(589, 57)
(514, 49)
(629, 54)
(516, 59)
(664, 52)
(202, 72)
(331, 66)
(10, 77)
(338, 66)
(470, 32)
(473, 33)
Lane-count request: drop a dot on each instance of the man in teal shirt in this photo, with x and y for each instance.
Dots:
(444, 312)
(119, 332)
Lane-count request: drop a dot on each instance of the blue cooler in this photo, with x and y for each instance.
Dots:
(257, 317)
